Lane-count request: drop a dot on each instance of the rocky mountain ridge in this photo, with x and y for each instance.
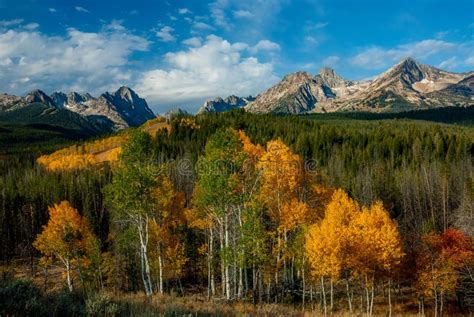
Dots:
(408, 85)
(120, 109)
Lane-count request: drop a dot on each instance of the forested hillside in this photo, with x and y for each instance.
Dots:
(330, 213)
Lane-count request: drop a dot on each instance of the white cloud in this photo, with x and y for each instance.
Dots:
(165, 34)
(311, 40)
(184, 11)
(218, 13)
(320, 25)
(173, 18)
(265, 45)
(193, 41)
(81, 9)
(133, 12)
(470, 60)
(52, 10)
(31, 26)
(331, 61)
(377, 57)
(7, 23)
(449, 63)
(242, 14)
(217, 68)
(197, 25)
(78, 60)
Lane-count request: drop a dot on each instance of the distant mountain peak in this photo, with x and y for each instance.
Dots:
(219, 105)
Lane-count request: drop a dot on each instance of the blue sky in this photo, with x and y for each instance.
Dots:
(179, 53)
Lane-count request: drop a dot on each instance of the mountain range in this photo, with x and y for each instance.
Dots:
(109, 112)
(406, 86)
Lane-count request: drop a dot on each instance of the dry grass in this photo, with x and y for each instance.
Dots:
(139, 304)
(196, 303)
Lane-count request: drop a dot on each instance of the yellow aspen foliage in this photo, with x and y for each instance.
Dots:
(255, 151)
(83, 156)
(114, 154)
(166, 251)
(327, 244)
(281, 174)
(377, 246)
(294, 213)
(66, 237)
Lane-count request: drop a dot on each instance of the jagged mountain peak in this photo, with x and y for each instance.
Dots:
(126, 93)
(299, 76)
(38, 95)
(330, 77)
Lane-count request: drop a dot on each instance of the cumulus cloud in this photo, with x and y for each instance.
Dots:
(165, 34)
(193, 41)
(218, 13)
(184, 11)
(81, 9)
(31, 26)
(78, 60)
(242, 14)
(265, 45)
(216, 68)
(198, 25)
(52, 10)
(377, 57)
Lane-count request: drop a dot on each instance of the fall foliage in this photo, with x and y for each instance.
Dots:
(235, 214)
(66, 238)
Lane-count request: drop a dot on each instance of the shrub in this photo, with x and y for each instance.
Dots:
(100, 304)
(20, 298)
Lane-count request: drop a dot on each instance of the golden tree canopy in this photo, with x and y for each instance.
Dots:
(67, 235)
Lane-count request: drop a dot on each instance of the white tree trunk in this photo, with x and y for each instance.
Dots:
(227, 273)
(389, 298)
(324, 296)
(145, 266)
(349, 297)
(160, 264)
(68, 275)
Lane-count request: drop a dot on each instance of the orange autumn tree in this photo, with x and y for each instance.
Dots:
(441, 261)
(67, 238)
(165, 248)
(328, 243)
